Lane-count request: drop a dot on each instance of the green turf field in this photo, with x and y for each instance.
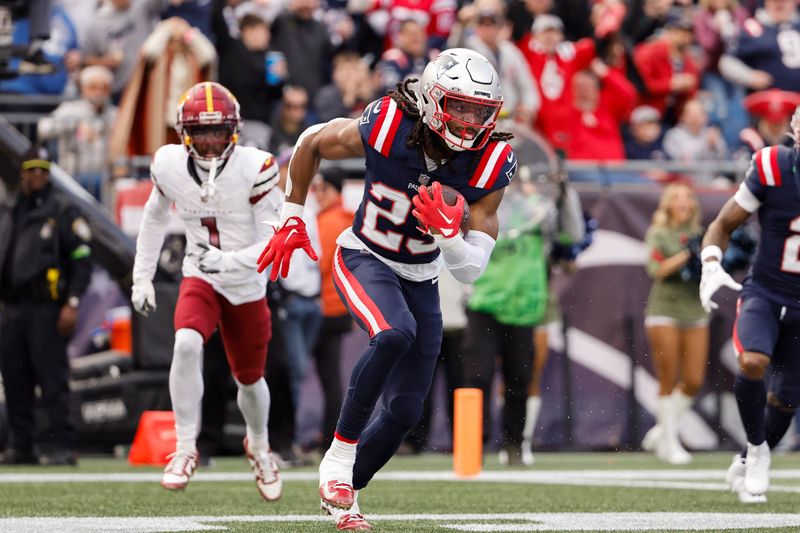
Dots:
(562, 492)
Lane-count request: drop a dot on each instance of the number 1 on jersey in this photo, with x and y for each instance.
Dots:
(213, 233)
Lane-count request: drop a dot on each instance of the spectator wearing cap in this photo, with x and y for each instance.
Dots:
(602, 100)
(693, 139)
(716, 27)
(761, 57)
(482, 28)
(44, 271)
(82, 128)
(669, 74)
(332, 219)
(644, 137)
(772, 111)
(553, 62)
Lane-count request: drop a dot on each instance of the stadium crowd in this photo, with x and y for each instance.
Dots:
(603, 80)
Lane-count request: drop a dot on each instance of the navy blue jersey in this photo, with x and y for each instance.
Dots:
(773, 49)
(772, 181)
(394, 173)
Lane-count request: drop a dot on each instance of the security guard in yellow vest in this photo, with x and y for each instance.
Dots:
(44, 270)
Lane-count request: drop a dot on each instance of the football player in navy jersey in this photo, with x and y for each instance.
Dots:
(386, 266)
(765, 333)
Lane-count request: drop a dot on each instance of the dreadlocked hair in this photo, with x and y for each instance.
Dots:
(406, 100)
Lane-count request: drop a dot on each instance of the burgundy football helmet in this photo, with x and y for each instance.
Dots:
(208, 121)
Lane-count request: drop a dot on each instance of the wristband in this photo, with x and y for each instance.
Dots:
(289, 210)
(711, 252)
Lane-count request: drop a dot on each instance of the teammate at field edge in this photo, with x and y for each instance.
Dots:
(768, 308)
(228, 199)
(387, 264)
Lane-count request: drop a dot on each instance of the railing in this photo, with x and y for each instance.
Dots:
(606, 172)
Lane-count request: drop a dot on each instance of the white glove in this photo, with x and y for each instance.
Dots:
(212, 260)
(714, 277)
(143, 297)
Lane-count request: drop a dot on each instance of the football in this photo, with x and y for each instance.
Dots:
(450, 196)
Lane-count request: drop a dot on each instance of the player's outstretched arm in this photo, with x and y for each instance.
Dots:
(337, 139)
(716, 239)
(148, 246)
(466, 258)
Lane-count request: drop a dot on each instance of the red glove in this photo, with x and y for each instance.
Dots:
(278, 252)
(432, 211)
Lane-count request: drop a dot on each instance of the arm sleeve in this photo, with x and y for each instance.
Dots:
(151, 235)
(466, 258)
(77, 251)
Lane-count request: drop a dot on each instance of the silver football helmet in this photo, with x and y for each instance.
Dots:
(459, 98)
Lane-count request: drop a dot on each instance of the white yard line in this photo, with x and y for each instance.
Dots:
(458, 522)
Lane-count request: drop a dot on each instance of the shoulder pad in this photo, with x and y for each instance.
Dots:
(379, 124)
(771, 163)
(268, 176)
(498, 158)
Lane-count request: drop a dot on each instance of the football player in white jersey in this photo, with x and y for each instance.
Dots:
(228, 198)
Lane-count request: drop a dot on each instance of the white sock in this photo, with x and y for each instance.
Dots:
(532, 407)
(355, 509)
(186, 387)
(663, 412)
(254, 400)
(682, 402)
(341, 452)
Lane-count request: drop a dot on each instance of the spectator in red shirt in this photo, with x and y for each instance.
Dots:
(602, 100)
(553, 62)
(668, 72)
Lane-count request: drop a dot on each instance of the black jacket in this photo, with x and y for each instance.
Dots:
(44, 254)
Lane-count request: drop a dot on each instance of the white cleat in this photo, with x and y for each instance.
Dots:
(734, 477)
(268, 479)
(651, 438)
(756, 478)
(179, 470)
(671, 451)
(336, 481)
(527, 453)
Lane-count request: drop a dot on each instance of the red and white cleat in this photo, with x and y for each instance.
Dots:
(268, 479)
(337, 494)
(179, 470)
(347, 521)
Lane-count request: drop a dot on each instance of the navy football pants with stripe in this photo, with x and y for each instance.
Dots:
(404, 323)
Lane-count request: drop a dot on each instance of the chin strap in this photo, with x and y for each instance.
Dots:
(209, 188)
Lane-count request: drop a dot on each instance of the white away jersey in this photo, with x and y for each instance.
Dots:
(239, 216)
